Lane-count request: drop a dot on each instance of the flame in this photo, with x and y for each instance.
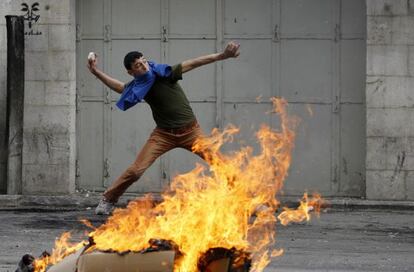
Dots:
(230, 204)
(62, 249)
(302, 212)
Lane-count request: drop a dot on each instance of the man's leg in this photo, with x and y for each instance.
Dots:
(157, 144)
(188, 139)
(211, 157)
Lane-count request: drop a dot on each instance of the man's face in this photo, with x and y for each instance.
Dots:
(139, 67)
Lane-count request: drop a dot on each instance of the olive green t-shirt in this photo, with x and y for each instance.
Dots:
(170, 106)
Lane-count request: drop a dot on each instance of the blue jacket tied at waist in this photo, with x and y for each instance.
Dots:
(136, 90)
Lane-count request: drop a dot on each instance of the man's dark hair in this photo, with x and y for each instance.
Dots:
(130, 58)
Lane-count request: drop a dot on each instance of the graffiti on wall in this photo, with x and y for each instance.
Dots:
(31, 17)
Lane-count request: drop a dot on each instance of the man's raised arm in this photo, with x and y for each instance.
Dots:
(112, 83)
(231, 51)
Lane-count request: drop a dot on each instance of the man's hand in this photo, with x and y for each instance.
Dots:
(112, 83)
(92, 64)
(231, 50)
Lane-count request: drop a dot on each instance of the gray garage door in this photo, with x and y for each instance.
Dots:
(312, 52)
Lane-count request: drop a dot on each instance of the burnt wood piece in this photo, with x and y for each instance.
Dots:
(26, 264)
(240, 261)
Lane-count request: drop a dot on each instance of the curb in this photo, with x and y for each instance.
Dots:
(87, 201)
(75, 202)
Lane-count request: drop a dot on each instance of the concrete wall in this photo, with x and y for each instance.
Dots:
(49, 124)
(50, 90)
(390, 100)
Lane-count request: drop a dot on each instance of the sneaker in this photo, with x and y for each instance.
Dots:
(262, 208)
(104, 207)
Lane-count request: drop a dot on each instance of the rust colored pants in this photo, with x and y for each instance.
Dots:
(160, 141)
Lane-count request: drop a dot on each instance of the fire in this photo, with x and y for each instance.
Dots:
(302, 212)
(230, 204)
(62, 249)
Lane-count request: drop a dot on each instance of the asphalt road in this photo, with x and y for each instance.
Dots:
(358, 240)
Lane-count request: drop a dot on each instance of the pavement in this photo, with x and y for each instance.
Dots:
(357, 237)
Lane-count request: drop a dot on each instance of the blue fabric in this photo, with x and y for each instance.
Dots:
(136, 90)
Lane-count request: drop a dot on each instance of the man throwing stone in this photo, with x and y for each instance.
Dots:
(177, 126)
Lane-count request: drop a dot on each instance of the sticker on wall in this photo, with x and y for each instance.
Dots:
(31, 17)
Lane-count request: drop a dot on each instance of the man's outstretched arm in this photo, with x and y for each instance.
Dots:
(231, 51)
(112, 83)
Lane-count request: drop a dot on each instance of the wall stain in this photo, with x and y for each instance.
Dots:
(399, 165)
(388, 8)
(410, 8)
(378, 83)
(48, 139)
(345, 166)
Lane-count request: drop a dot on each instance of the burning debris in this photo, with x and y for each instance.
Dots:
(161, 261)
(211, 217)
(26, 264)
(223, 259)
(160, 256)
